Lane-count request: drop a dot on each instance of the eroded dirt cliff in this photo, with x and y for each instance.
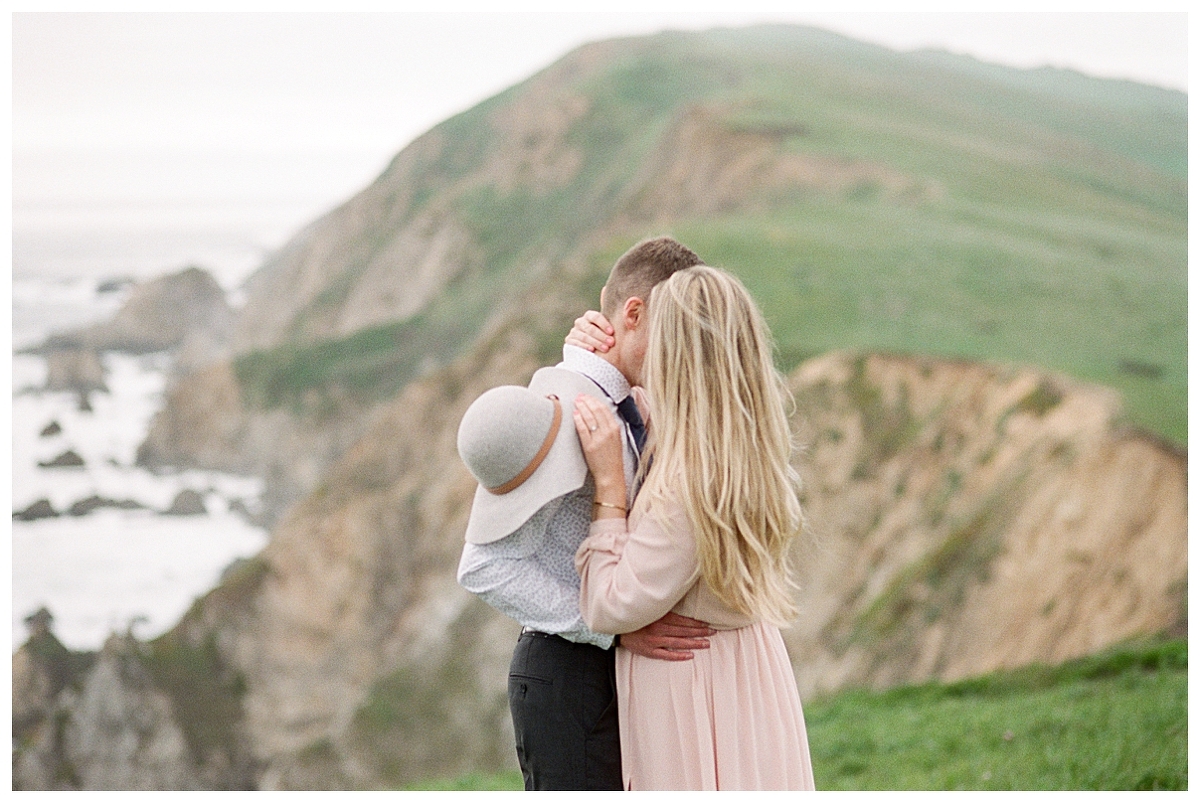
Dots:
(965, 518)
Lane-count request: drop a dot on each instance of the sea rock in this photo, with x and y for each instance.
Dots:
(187, 503)
(85, 506)
(253, 517)
(41, 509)
(79, 370)
(51, 429)
(39, 623)
(42, 667)
(159, 315)
(123, 734)
(68, 459)
(113, 285)
(132, 717)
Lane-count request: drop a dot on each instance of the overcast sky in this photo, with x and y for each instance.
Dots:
(348, 91)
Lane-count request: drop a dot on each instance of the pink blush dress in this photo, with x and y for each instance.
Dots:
(728, 719)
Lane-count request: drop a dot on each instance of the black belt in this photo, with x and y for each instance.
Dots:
(529, 631)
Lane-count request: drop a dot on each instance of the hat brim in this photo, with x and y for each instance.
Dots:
(564, 469)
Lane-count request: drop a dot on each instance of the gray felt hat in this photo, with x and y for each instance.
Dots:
(521, 445)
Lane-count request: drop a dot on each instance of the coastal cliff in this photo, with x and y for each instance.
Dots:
(964, 518)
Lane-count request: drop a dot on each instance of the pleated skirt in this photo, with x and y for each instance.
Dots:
(730, 718)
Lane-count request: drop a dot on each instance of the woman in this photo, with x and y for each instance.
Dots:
(708, 538)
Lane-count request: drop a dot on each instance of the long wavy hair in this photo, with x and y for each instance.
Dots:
(720, 441)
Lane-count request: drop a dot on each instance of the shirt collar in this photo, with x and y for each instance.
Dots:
(597, 369)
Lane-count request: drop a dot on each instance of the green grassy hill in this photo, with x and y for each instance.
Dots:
(1058, 237)
(950, 208)
(1116, 721)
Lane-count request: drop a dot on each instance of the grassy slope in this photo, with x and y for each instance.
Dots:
(1059, 239)
(1114, 721)
(1056, 235)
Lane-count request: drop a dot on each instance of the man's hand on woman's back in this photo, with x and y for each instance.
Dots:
(671, 638)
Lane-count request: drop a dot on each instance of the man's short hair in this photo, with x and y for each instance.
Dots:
(642, 267)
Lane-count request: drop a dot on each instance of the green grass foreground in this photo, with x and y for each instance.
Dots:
(1114, 721)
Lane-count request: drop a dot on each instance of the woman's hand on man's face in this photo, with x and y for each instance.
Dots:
(592, 331)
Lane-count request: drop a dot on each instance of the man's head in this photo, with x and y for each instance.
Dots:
(625, 297)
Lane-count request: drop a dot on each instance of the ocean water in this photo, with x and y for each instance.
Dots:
(113, 570)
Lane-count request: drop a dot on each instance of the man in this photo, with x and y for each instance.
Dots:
(532, 511)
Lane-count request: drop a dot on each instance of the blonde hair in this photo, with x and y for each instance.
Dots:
(720, 440)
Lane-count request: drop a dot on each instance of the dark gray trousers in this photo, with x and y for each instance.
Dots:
(563, 698)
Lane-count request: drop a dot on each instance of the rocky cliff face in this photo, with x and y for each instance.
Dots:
(389, 252)
(966, 518)
(708, 164)
(207, 423)
(961, 517)
(110, 724)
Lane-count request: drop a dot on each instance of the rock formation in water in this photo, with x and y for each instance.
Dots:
(90, 504)
(207, 423)
(74, 369)
(181, 310)
(124, 718)
(41, 509)
(68, 459)
(187, 502)
(184, 313)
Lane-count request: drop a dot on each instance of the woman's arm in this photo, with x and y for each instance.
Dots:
(629, 579)
(602, 439)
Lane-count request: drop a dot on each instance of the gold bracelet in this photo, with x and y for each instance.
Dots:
(614, 507)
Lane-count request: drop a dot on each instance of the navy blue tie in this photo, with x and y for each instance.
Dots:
(629, 411)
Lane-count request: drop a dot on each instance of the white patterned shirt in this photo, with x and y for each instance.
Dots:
(530, 574)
